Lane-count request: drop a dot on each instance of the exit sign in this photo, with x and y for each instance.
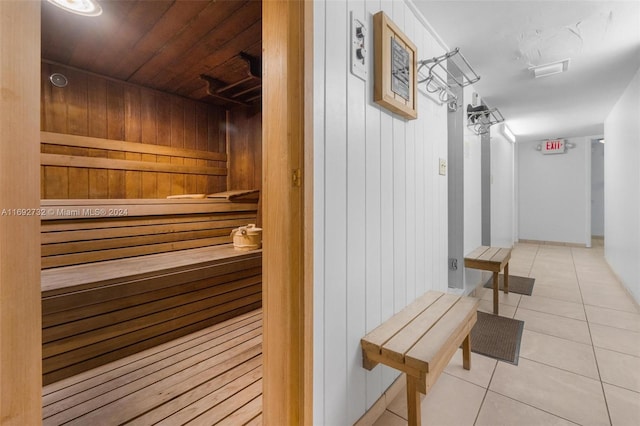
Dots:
(553, 146)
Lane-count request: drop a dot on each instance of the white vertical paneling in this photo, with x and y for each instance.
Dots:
(318, 205)
(372, 218)
(410, 179)
(399, 194)
(335, 283)
(356, 190)
(378, 206)
(387, 213)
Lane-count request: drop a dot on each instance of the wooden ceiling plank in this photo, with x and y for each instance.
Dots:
(140, 19)
(182, 82)
(59, 32)
(233, 31)
(183, 43)
(176, 19)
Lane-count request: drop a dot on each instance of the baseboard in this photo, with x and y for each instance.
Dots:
(552, 243)
(378, 407)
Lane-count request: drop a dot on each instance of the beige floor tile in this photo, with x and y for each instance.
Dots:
(619, 369)
(503, 310)
(624, 406)
(615, 339)
(561, 353)
(554, 325)
(612, 298)
(568, 293)
(442, 406)
(554, 306)
(481, 368)
(511, 299)
(498, 410)
(613, 318)
(567, 395)
(552, 280)
(390, 419)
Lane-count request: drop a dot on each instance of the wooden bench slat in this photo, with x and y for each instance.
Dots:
(136, 231)
(374, 340)
(244, 414)
(477, 252)
(429, 347)
(111, 303)
(143, 311)
(101, 353)
(76, 278)
(488, 254)
(99, 380)
(403, 341)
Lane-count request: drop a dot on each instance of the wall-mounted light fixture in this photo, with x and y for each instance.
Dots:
(79, 7)
(601, 140)
(508, 133)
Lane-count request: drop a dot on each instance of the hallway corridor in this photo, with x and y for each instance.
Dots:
(579, 358)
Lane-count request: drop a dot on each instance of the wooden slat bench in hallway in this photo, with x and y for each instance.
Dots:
(213, 376)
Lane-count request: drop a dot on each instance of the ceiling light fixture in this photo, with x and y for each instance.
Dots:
(601, 140)
(550, 69)
(79, 7)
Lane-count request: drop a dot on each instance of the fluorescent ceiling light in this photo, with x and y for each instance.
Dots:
(508, 133)
(79, 7)
(550, 69)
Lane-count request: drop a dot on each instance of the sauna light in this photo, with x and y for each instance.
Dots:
(79, 7)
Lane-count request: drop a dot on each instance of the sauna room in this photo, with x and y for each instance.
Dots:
(151, 128)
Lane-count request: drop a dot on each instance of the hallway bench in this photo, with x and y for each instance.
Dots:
(420, 340)
(493, 259)
(121, 276)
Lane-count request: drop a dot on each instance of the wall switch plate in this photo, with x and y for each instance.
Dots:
(443, 167)
(359, 58)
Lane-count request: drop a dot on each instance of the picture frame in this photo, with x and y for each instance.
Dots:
(395, 60)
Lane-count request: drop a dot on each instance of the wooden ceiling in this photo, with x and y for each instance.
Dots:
(165, 44)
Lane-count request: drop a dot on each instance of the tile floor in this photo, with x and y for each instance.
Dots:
(579, 357)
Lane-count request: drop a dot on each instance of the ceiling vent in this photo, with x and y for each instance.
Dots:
(550, 69)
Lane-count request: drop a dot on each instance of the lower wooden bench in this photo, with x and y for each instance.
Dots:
(213, 376)
(493, 259)
(420, 341)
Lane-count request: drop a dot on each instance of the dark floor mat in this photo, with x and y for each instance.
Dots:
(497, 337)
(520, 285)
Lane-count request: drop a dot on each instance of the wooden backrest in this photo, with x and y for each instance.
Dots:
(85, 231)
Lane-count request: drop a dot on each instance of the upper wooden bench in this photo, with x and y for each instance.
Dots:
(420, 341)
(493, 259)
(121, 276)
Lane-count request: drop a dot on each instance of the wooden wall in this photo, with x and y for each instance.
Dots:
(245, 148)
(100, 107)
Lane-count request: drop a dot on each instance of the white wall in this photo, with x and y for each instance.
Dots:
(554, 194)
(597, 188)
(380, 209)
(502, 189)
(472, 194)
(622, 187)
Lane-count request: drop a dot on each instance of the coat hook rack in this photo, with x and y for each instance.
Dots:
(438, 80)
(481, 118)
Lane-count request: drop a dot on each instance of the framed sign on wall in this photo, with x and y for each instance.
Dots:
(395, 59)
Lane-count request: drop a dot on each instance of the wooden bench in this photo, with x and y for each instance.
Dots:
(212, 376)
(420, 341)
(493, 259)
(116, 283)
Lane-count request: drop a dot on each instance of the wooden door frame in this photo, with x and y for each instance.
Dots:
(20, 312)
(288, 219)
(287, 130)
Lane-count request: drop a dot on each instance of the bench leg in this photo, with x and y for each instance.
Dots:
(506, 278)
(495, 293)
(466, 352)
(413, 401)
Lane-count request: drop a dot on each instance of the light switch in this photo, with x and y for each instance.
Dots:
(359, 59)
(443, 167)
